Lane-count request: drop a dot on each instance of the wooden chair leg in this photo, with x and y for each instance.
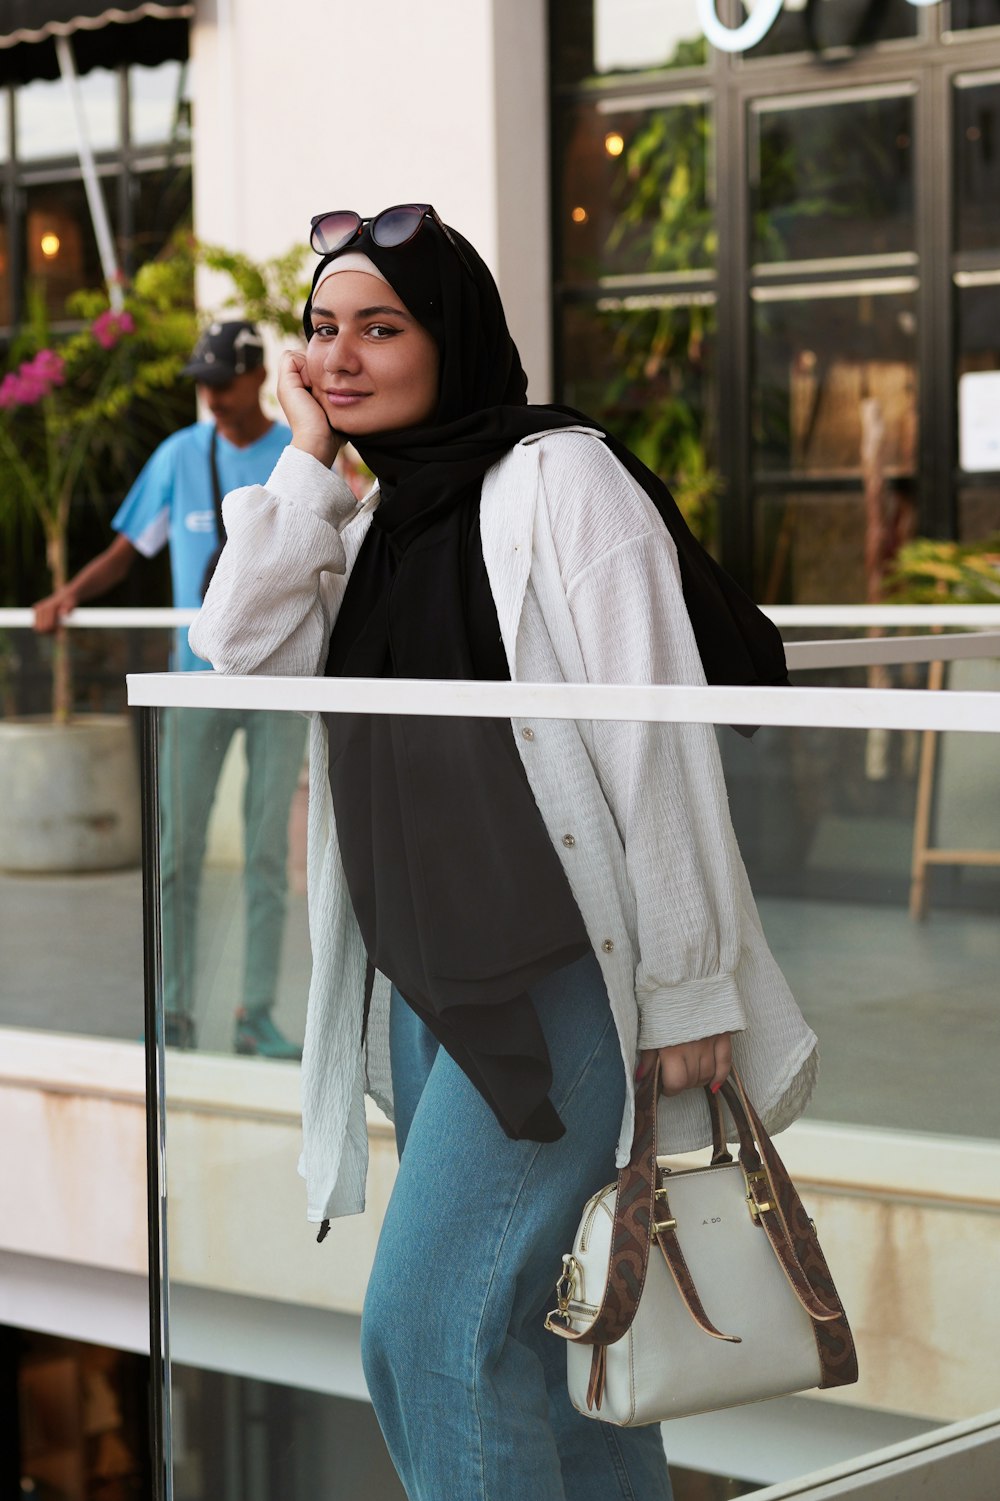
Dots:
(922, 815)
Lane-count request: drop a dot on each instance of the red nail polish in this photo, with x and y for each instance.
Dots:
(716, 1088)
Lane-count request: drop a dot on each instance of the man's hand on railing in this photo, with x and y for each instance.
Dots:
(49, 612)
(100, 575)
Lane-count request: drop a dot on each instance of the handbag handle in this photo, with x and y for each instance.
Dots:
(772, 1201)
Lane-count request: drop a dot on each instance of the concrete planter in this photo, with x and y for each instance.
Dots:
(70, 795)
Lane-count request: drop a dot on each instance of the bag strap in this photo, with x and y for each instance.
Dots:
(834, 1341)
(763, 1199)
(630, 1234)
(213, 464)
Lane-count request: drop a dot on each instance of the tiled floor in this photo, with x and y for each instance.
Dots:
(908, 1015)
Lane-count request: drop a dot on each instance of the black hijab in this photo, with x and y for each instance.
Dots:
(459, 894)
(483, 412)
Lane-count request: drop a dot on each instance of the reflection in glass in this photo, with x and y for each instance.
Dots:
(834, 23)
(978, 352)
(833, 179)
(644, 366)
(977, 167)
(160, 104)
(634, 192)
(60, 247)
(809, 547)
(978, 328)
(979, 512)
(44, 115)
(833, 881)
(6, 315)
(264, 1440)
(967, 15)
(161, 205)
(816, 360)
(619, 36)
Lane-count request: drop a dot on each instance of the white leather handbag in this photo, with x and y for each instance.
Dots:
(696, 1290)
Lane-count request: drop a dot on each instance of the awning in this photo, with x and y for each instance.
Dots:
(103, 35)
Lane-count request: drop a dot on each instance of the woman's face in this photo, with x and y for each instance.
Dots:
(372, 367)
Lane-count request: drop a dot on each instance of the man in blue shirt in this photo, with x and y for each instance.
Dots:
(174, 500)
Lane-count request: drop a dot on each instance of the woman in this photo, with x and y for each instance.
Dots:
(552, 902)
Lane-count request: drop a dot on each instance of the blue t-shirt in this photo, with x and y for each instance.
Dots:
(171, 501)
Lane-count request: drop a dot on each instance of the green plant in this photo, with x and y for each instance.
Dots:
(649, 384)
(926, 571)
(79, 416)
(270, 292)
(65, 408)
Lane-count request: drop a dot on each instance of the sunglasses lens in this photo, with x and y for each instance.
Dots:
(397, 225)
(333, 231)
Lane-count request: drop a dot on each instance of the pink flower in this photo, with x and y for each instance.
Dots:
(49, 367)
(108, 327)
(33, 380)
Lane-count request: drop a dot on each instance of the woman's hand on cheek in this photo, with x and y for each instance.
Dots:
(690, 1065)
(311, 430)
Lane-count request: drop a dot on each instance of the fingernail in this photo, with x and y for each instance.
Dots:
(640, 1070)
(717, 1087)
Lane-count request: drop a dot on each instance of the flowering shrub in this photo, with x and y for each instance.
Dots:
(70, 411)
(110, 326)
(33, 379)
(75, 419)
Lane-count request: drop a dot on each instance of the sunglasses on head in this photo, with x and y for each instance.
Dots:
(391, 228)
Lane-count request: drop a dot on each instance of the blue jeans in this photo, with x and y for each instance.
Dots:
(192, 749)
(469, 1388)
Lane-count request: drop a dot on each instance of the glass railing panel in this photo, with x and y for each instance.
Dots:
(70, 836)
(233, 817)
(264, 1324)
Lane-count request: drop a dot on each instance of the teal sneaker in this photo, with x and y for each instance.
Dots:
(178, 1030)
(257, 1035)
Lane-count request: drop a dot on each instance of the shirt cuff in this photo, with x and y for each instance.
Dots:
(301, 480)
(682, 1013)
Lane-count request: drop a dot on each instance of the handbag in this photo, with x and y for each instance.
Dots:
(694, 1290)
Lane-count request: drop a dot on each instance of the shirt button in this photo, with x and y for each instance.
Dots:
(608, 946)
(569, 840)
(528, 733)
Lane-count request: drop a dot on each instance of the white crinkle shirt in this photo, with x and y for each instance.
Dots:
(587, 589)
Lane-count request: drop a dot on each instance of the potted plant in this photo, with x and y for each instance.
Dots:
(70, 424)
(74, 420)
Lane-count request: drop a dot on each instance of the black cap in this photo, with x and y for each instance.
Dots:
(224, 351)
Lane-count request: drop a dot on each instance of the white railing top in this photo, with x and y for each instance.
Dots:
(804, 656)
(801, 656)
(836, 708)
(105, 619)
(800, 617)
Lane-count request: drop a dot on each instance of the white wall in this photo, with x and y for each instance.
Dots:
(321, 104)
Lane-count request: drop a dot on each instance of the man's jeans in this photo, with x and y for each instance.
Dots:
(469, 1388)
(193, 746)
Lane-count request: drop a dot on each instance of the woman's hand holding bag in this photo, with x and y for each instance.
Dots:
(704, 1063)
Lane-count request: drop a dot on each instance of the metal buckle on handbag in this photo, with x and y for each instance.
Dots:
(659, 1226)
(565, 1288)
(759, 1175)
